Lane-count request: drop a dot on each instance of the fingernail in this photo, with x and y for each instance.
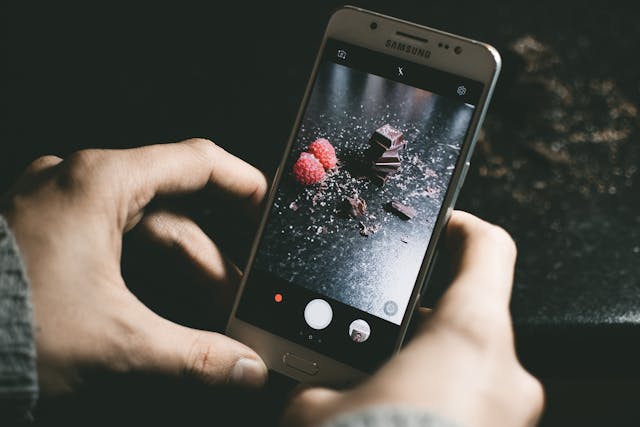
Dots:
(248, 373)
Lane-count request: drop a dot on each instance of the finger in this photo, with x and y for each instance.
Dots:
(310, 406)
(476, 305)
(180, 233)
(171, 349)
(419, 321)
(484, 257)
(186, 167)
(423, 314)
(42, 163)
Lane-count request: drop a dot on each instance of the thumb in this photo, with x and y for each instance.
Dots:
(209, 357)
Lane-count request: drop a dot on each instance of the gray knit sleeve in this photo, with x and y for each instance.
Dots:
(390, 416)
(18, 372)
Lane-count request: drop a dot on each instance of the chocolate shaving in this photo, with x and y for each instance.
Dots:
(432, 192)
(354, 206)
(368, 230)
(430, 173)
(403, 211)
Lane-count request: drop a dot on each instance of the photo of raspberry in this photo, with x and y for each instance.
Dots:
(324, 151)
(308, 170)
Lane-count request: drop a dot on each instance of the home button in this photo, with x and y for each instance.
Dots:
(302, 365)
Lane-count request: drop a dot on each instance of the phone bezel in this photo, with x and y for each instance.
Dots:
(478, 61)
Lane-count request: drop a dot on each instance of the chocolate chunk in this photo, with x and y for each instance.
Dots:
(354, 206)
(384, 154)
(403, 211)
(384, 169)
(388, 136)
(377, 149)
(393, 153)
(387, 165)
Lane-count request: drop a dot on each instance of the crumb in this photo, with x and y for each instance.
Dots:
(368, 230)
(432, 192)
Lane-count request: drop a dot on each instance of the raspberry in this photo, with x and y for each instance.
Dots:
(308, 170)
(323, 150)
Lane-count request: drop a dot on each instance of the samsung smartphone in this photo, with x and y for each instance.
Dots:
(369, 178)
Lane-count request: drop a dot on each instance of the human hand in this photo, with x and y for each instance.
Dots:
(69, 216)
(461, 364)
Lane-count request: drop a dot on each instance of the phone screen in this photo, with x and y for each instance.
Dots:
(346, 237)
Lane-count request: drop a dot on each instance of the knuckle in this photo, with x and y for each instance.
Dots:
(200, 359)
(81, 167)
(84, 159)
(531, 391)
(204, 147)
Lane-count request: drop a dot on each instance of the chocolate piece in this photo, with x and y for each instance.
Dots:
(388, 136)
(404, 211)
(387, 165)
(377, 150)
(383, 170)
(354, 206)
(386, 143)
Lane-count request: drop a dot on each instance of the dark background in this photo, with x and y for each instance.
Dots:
(556, 164)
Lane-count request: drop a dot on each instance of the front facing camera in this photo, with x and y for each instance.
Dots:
(457, 50)
(373, 25)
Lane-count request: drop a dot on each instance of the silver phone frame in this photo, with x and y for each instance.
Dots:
(478, 61)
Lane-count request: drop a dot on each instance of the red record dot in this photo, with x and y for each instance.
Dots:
(277, 297)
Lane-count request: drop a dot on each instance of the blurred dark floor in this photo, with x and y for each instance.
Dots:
(557, 164)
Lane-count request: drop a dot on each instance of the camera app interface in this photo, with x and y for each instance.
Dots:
(357, 202)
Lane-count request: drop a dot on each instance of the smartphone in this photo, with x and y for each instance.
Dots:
(367, 183)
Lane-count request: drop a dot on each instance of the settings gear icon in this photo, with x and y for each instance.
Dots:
(461, 90)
